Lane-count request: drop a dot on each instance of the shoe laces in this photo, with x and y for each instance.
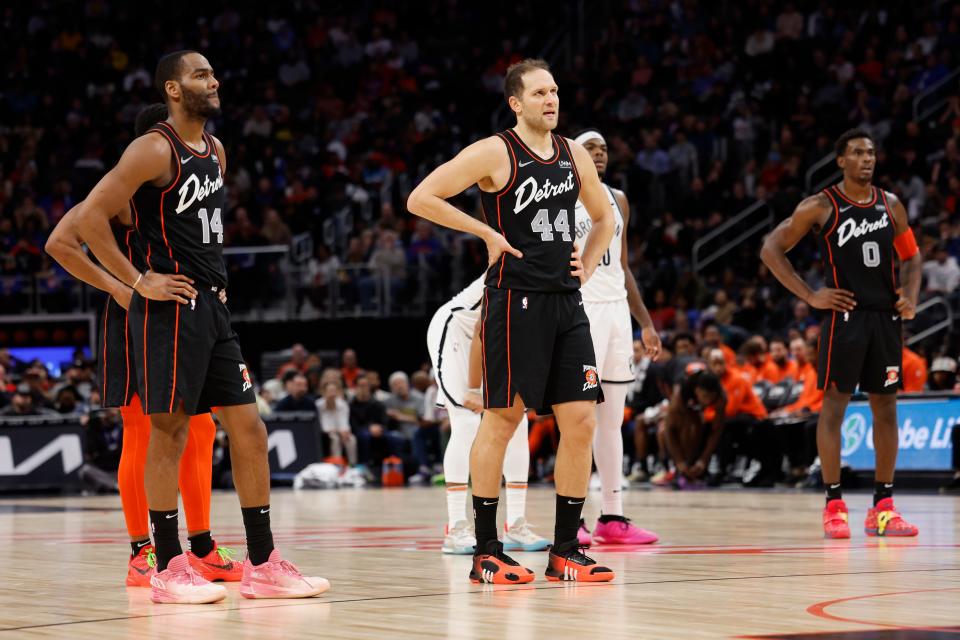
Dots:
(226, 554)
(521, 531)
(576, 554)
(500, 555)
(151, 559)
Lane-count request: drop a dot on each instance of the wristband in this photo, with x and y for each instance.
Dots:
(476, 390)
(139, 278)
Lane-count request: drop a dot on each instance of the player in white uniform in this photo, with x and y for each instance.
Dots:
(449, 340)
(609, 298)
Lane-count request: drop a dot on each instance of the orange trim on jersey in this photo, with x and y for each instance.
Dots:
(146, 386)
(509, 372)
(176, 336)
(106, 312)
(163, 228)
(826, 238)
(189, 148)
(836, 188)
(826, 377)
(126, 325)
(573, 163)
(514, 171)
(532, 154)
(893, 273)
(483, 342)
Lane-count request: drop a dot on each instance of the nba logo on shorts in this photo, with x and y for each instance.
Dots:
(893, 376)
(247, 384)
(524, 302)
(590, 377)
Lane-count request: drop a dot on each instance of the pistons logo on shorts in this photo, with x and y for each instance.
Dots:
(893, 376)
(247, 383)
(590, 377)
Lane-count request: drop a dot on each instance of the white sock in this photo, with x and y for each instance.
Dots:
(608, 448)
(516, 465)
(456, 504)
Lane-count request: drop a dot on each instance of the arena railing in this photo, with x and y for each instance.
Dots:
(937, 327)
(930, 101)
(744, 228)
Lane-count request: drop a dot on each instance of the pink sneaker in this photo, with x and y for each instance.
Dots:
(621, 531)
(277, 578)
(180, 584)
(583, 535)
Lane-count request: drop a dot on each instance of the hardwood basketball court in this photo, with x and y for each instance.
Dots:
(729, 564)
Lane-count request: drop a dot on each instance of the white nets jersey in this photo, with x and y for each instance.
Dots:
(448, 342)
(607, 283)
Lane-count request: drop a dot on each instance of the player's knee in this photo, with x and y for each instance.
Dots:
(580, 427)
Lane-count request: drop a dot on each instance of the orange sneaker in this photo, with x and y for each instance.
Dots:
(835, 517)
(496, 567)
(568, 563)
(217, 565)
(142, 567)
(885, 520)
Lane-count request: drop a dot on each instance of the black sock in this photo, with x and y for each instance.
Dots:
(136, 545)
(605, 519)
(485, 520)
(568, 519)
(166, 537)
(256, 521)
(201, 544)
(833, 492)
(882, 490)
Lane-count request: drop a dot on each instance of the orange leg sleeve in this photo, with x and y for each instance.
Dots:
(133, 459)
(196, 473)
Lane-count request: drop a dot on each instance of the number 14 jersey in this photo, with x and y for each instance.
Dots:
(180, 224)
(535, 213)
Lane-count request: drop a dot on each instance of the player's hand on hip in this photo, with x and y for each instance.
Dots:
(834, 299)
(576, 267)
(905, 307)
(651, 343)
(162, 286)
(473, 401)
(123, 296)
(497, 245)
(222, 295)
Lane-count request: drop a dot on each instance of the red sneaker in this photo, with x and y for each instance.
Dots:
(496, 567)
(835, 517)
(568, 563)
(142, 567)
(217, 565)
(885, 520)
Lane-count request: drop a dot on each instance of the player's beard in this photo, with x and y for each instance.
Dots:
(197, 104)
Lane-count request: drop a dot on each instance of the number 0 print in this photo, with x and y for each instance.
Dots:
(871, 254)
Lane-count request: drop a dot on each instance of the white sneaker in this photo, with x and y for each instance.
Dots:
(180, 584)
(460, 540)
(520, 537)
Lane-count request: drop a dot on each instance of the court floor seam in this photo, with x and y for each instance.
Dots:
(543, 587)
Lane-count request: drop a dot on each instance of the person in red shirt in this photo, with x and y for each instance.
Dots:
(798, 421)
(350, 370)
(779, 366)
(914, 371)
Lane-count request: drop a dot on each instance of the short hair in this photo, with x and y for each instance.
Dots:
(708, 381)
(684, 336)
(149, 116)
(169, 68)
(289, 375)
(513, 81)
(850, 134)
(398, 375)
(752, 347)
(779, 339)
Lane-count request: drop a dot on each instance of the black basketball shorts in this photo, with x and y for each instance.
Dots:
(115, 362)
(537, 345)
(187, 353)
(861, 348)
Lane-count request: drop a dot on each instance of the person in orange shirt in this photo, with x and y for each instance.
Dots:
(914, 371)
(754, 353)
(350, 370)
(799, 427)
(811, 398)
(714, 339)
(779, 367)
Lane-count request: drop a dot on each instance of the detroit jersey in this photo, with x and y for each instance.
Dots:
(180, 225)
(534, 212)
(607, 284)
(857, 247)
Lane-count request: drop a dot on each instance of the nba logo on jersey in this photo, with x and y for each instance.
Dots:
(247, 383)
(590, 377)
(565, 164)
(524, 302)
(893, 376)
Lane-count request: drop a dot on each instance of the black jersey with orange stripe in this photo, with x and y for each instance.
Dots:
(181, 224)
(856, 244)
(116, 368)
(535, 213)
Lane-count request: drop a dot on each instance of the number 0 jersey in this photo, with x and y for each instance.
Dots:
(857, 248)
(180, 224)
(607, 283)
(534, 212)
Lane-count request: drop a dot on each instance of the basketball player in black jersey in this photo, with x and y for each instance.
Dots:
(858, 227)
(537, 349)
(188, 358)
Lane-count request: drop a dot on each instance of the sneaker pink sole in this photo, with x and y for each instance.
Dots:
(255, 590)
(201, 596)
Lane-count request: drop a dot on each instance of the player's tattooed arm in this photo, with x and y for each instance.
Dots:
(911, 269)
(595, 201)
(65, 245)
(811, 214)
(484, 162)
(146, 160)
(651, 340)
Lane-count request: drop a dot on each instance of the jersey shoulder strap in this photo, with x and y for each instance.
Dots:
(834, 216)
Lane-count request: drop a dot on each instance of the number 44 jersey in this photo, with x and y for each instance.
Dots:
(180, 223)
(535, 212)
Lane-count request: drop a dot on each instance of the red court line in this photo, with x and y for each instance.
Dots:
(819, 609)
